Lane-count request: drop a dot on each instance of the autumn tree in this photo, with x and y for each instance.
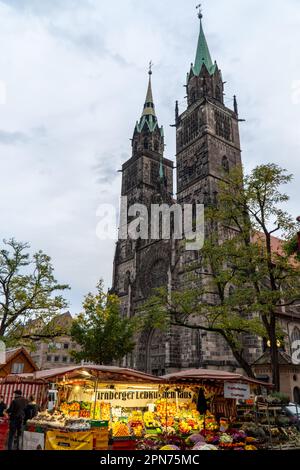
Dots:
(246, 281)
(29, 295)
(102, 332)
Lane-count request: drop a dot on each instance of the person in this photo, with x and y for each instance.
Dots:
(16, 413)
(31, 409)
(2, 406)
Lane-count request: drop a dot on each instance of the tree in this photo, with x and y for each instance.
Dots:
(29, 297)
(208, 306)
(252, 206)
(246, 282)
(103, 334)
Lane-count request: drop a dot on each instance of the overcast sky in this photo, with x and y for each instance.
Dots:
(73, 77)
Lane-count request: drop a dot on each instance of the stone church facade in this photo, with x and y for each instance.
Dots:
(208, 146)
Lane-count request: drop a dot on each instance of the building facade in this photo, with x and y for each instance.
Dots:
(17, 361)
(56, 353)
(208, 147)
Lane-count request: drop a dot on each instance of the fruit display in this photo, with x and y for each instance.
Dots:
(59, 421)
(95, 410)
(136, 423)
(150, 420)
(72, 407)
(105, 409)
(120, 429)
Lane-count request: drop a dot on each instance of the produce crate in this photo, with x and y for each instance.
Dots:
(124, 444)
(3, 433)
(98, 424)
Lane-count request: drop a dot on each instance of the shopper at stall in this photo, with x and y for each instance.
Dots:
(2, 406)
(16, 413)
(31, 409)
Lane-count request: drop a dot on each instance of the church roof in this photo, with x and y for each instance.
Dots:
(265, 359)
(203, 55)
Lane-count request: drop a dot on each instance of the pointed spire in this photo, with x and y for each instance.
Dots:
(203, 55)
(149, 108)
(148, 119)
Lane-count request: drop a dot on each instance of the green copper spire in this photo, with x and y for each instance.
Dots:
(148, 118)
(149, 108)
(203, 55)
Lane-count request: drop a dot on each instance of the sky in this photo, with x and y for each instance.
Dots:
(73, 79)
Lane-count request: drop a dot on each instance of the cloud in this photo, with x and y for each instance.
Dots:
(75, 74)
(12, 138)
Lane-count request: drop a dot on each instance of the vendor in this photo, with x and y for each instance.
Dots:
(31, 409)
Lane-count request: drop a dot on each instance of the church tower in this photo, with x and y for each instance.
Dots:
(142, 265)
(208, 147)
(207, 132)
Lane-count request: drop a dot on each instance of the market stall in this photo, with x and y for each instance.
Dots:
(102, 408)
(96, 407)
(29, 385)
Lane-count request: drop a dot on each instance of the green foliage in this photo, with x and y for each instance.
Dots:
(245, 282)
(291, 247)
(29, 295)
(103, 334)
(278, 397)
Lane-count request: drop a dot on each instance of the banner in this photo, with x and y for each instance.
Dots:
(237, 391)
(58, 440)
(33, 441)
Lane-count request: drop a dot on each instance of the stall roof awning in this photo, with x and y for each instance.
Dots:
(105, 373)
(193, 375)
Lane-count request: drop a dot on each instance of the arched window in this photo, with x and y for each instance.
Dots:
(127, 282)
(218, 93)
(156, 146)
(295, 336)
(225, 164)
(193, 95)
(194, 215)
(296, 394)
(146, 144)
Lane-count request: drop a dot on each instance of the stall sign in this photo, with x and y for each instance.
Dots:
(237, 391)
(33, 441)
(57, 440)
(140, 398)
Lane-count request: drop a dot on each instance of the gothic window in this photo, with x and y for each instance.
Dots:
(130, 177)
(225, 164)
(295, 334)
(154, 172)
(193, 95)
(158, 276)
(127, 282)
(218, 93)
(223, 125)
(146, 143)
(194, 215)
(156, 146)
(129, 248)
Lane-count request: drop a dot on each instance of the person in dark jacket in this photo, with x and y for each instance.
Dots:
(31, 409)
(2, 406)
(16, 413)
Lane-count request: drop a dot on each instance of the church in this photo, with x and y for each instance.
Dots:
(207, 146)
